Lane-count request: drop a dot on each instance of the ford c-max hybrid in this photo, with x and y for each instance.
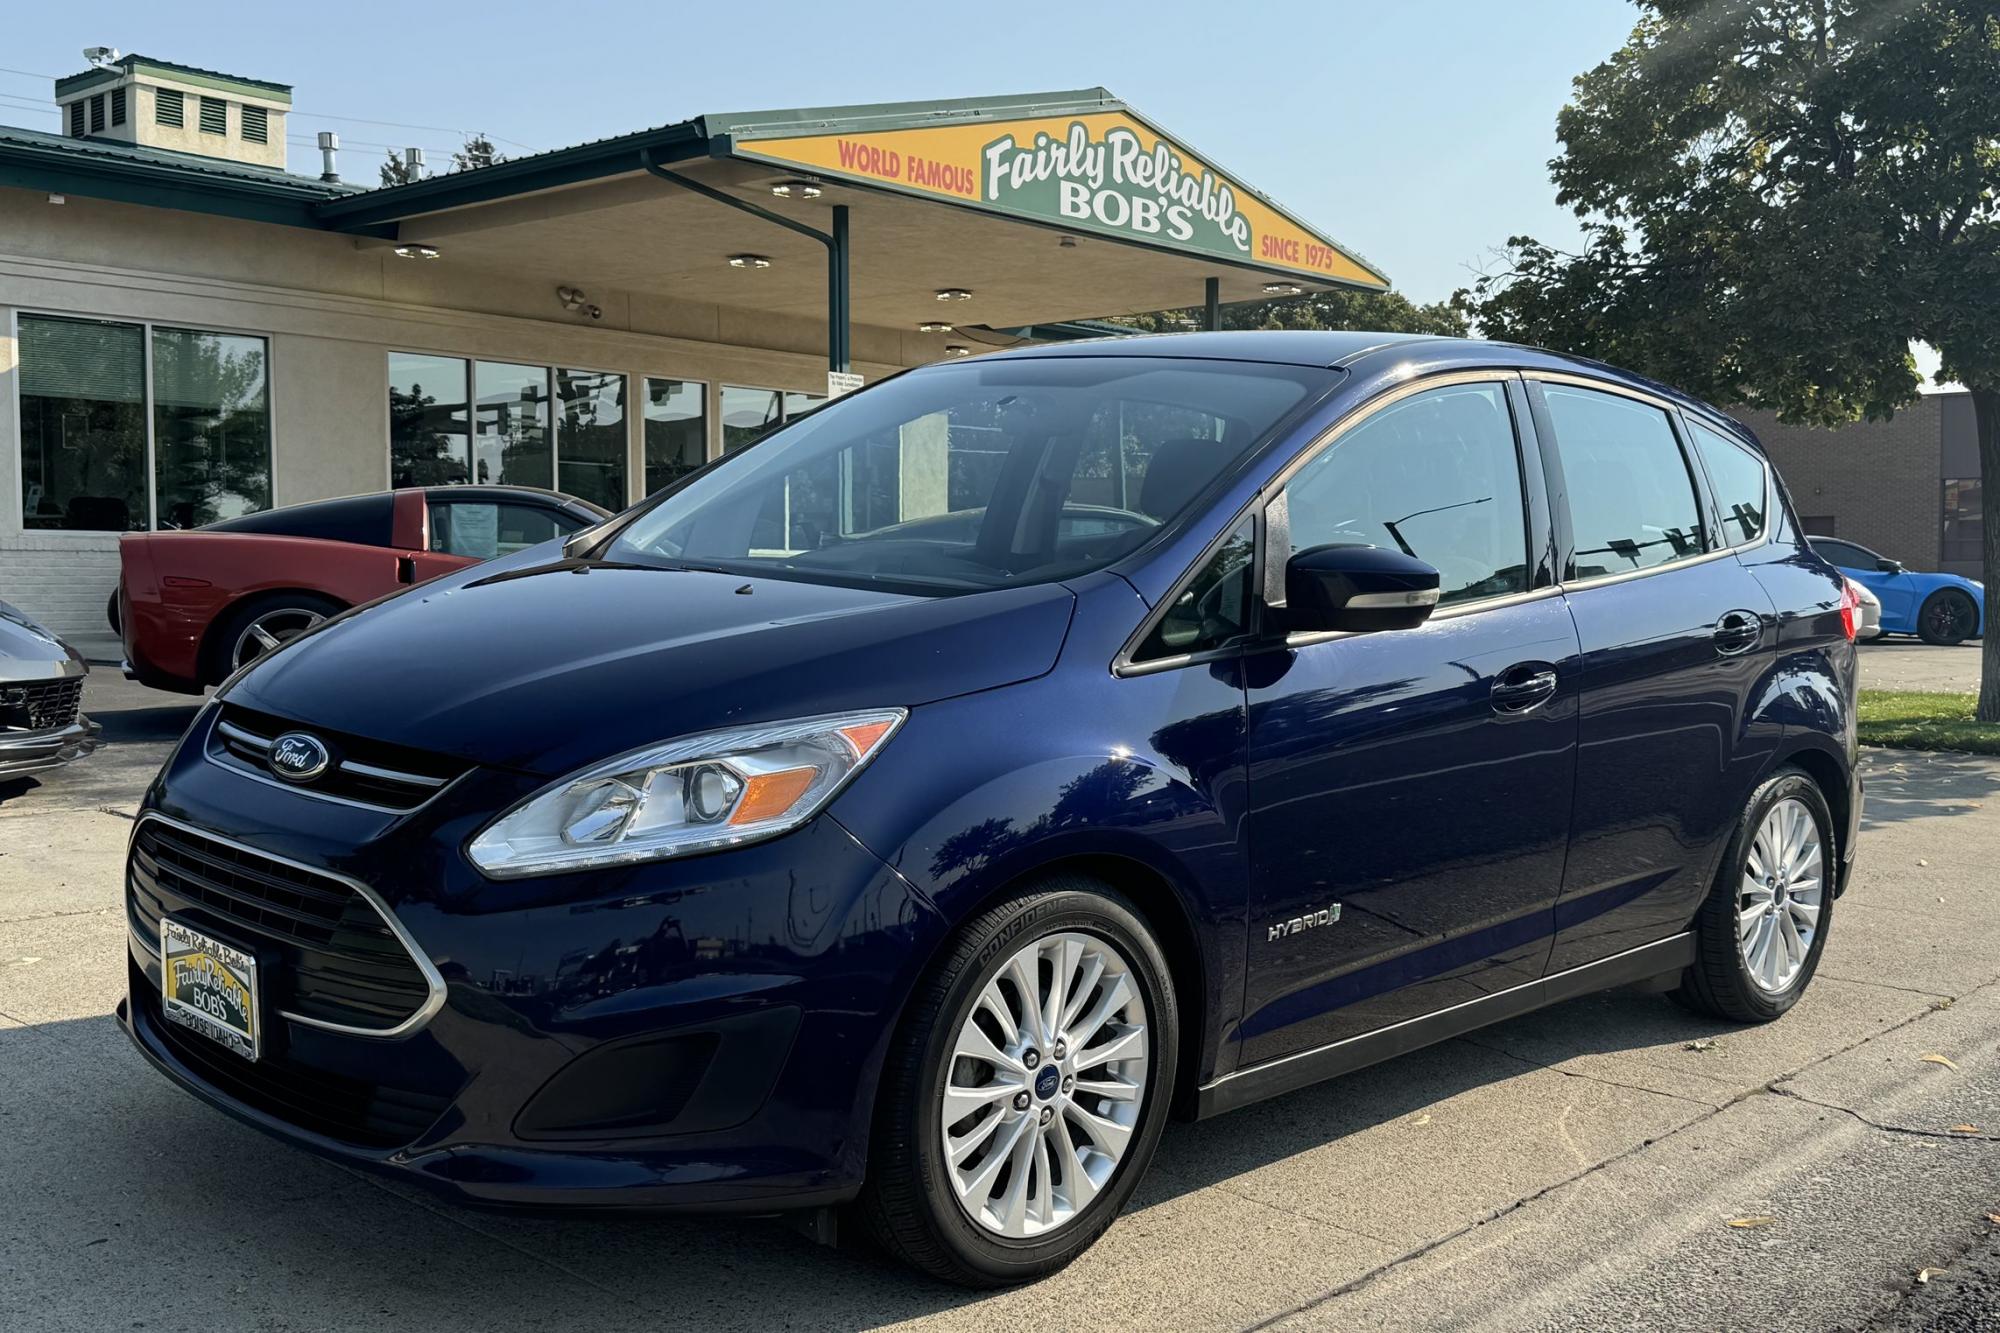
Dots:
(902, 817)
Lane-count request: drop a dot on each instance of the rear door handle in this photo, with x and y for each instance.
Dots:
(1738, 632)
(1523, 687)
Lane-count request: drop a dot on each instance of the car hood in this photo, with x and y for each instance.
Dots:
(545, 665)
(29, 651)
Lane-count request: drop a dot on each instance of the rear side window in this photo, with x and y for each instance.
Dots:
(1435, 476)
(482, 529)
(1631, 501)
(1737, 475)
(1844, 554)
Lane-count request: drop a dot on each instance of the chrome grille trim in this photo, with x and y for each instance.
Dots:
(424, 787)
(433, 980)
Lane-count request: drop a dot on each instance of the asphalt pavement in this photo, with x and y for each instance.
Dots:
(1610, 1163)
(1911, 664)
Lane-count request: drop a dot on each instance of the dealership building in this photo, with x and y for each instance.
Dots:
(191, 331)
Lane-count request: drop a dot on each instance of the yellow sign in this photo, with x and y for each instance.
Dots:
(1104, 171)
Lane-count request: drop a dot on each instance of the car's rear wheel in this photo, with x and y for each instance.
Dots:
(1027, 1089)
(261, 625)
(1759, 937)
(1947, 617)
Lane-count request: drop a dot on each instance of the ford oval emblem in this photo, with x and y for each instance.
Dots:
(297, 757)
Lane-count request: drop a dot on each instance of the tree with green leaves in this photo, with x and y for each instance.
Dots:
(1381, 312)
(477, 152)
(1778, 198)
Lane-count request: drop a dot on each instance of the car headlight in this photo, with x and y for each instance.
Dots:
(696, 794)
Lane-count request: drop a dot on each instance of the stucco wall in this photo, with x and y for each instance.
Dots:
(333, 308)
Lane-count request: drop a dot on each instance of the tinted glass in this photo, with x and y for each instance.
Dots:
(676, 431)
(1964, 508)
(1845, 554)
(1435, 476)
(482, 530)
(428, 442)
(510, 442)
(211, 427)
(1631, 501)
(974, 476)
(1214, 608)
(590, 442)
(747, 414)
(1738, 478)
(83, 424)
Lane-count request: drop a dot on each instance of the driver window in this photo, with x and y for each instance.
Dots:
(1435, 476)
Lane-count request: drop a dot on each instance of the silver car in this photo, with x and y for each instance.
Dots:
(41, 698)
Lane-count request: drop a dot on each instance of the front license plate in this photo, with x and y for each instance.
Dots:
(211, 987)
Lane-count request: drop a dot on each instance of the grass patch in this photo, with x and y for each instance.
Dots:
(1917, 721)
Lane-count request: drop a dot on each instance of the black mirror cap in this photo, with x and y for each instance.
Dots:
(1357, 589)
(1887, 566)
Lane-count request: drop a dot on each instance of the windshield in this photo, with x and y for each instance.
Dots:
(980, 475)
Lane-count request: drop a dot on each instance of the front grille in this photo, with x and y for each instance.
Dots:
(335, 960)
(45, 705)
(366, 772)
(350, 1110)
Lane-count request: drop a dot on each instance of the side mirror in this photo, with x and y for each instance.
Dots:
(1357, 589)
(1889, 566)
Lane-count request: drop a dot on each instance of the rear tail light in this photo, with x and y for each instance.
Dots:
(1850, 608)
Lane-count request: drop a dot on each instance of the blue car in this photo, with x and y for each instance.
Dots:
(1938, 608)
(897, 821)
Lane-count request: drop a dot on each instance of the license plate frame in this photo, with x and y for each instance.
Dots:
(211, 986)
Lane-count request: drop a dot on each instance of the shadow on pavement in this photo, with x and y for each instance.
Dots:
(1913, 784)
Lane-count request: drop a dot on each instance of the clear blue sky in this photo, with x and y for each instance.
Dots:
(1415, 132)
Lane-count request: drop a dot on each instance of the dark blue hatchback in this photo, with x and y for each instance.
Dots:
(910, 812)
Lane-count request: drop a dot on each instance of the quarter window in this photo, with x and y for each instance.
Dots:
(1631, 500)
(1436, 476)
(1844, 554)
(1742, 492)
(1215, 606)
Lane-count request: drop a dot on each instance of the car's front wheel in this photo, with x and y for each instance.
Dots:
(1947, 617)
(1027, 1089)
(1759, 937)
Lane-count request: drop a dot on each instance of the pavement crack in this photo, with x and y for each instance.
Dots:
(1947, 1135)
(1883, 985)
(1588, 1078)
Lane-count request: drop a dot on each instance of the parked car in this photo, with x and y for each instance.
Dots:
(195, 605)
(1870, 609)
(759, 851)
(1938, 608)
(41, 698)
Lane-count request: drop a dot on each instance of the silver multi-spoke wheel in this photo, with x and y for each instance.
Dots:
(1779, 901)
(1045, 1085)
(271, 631)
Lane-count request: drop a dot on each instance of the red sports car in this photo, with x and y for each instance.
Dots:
(194, 606)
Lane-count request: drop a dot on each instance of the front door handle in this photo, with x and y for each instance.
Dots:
(1521, 688)
(1738, 632)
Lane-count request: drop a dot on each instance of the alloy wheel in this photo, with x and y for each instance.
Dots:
(1948, 619)
(271, 631)
(1045, 1085)
(1782, 892)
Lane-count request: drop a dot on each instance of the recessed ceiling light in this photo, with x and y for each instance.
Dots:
(749, 261)
(1282, 289)
(796, 190)
(410, 250)
(957, 349)
(933, 326)
(954, 294)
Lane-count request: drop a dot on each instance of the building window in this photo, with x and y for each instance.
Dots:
(676, 419)
(214, 116)
(511, 443)
(117, 106)
(491, 422)
(211, 426)
(1964, 511)
(77, 126)
(88, 457)
(747, 414)
(1819, 525)
(256, 122)
(590, 435)
(168, 109)
(97, 114)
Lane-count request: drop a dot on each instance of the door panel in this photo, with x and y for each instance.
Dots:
(1386, 778)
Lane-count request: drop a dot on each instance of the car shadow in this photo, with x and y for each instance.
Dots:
(144, 726)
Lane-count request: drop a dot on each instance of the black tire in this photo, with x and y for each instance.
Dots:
(111, 613)
(219, 648)
(909, 1203)
(1719, 983)
(1947, 618)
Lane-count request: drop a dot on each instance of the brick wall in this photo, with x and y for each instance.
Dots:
(1878, 479)
(62, 582)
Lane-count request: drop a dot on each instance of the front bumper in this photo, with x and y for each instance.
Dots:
(751, 993)
(28, 751)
